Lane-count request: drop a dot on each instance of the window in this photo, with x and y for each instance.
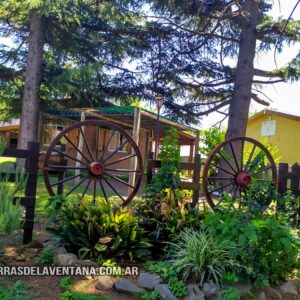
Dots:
(116, 141)
(268, 128)
(50, 132)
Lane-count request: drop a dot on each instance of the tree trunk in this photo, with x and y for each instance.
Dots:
(30, 103)
(240, 102)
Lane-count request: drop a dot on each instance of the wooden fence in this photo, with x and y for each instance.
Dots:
(194, 185)
(31, 157)
(289, 179)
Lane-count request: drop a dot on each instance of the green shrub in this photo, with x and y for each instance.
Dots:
(267, 248)
(10, 214)
(46, 257)
(200, 256)
(19, 291)
(162, 220)
(101, 231)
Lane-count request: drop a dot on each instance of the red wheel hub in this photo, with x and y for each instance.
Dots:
(96, 168)
(243, 179)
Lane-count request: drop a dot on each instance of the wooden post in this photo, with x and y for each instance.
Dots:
(196, 179)
(282, 177)
(295, 181)
(197, 141)
(80, 147)
(135, 136)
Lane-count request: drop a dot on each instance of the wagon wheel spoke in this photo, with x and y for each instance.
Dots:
(242, 154)
(119, 180)
(86, 143)
(115, 151)
(77, 149)
(218, 167)
(227, 162)
(97, 142)
(234, 156)
(85, 190)
(112, 187)
(249, 158)
(95, 189)
(69, 156)
(107, 145)
(125, 170)
(264, 169)
(103, 190)
(221, 187)
(119, 160)
(220, 178)
(67, 179)
(65, 167)
(76, 186)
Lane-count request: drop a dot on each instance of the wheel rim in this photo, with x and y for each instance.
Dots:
(232, 168)
(92, 169)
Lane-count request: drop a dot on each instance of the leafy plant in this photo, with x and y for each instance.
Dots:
(101, 231)
(66, 282)
(153, 295)
(230, 293)
(19, 291)
(200, 256)
(46, 257)
(177, 287)
(267, 248)
(210, 139)
(10, 213)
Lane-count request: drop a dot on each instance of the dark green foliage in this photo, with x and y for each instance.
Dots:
(267, 249)
(210, 139)
(46, 257)
(153, 295)
(19, 291)
(101, 231)
(169, 275)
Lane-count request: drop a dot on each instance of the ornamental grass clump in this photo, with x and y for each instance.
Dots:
(199, 256)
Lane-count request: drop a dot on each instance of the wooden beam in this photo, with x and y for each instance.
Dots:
(136, 137)
(112, 120)
(80, 147)
(197, 141)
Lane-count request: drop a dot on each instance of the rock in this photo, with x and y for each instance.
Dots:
(209, 290)
(261, 296)
(60, 250)
(50, 247)
(87, 263)
(104, 283)
(148, 280)
(126, 286)
(164, 292)
(273, 293)
(68, 259)
(194, 293)
(243, 289)
(289, 288)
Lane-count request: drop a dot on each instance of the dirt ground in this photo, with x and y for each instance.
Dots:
(41, 287)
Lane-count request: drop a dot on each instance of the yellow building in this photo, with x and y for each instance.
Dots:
(278, 129)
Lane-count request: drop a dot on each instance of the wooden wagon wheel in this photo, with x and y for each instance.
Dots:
(100, 166)
(232, 167)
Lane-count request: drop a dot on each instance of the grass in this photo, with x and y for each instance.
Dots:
(7, 160)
